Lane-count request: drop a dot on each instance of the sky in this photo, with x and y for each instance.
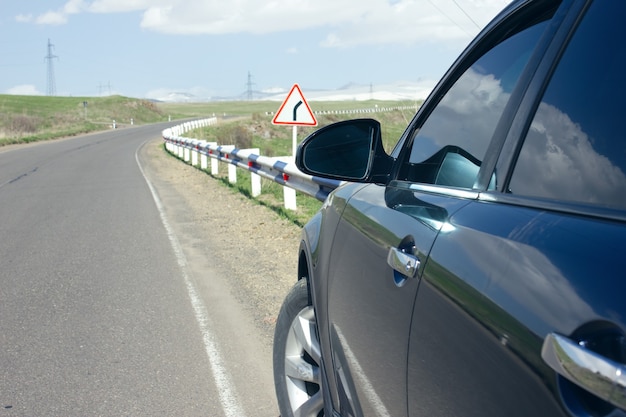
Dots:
(223, 48)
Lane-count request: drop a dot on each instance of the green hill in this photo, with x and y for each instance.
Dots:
(32, 118)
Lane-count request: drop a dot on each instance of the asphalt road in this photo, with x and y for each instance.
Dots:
(102, 310)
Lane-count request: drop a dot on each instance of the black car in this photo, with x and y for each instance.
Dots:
(479, 269)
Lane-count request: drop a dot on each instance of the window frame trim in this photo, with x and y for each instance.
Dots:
(435, 189)
(482, 44)
(537, 203)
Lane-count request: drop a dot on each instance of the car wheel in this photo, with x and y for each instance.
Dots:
(297, 359)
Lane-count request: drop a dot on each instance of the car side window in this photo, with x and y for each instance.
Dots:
(449, 146)
(575, 149)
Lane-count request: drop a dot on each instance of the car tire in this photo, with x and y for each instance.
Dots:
(297, 376)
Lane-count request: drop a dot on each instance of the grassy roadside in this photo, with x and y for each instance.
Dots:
(271, 195)
(26, 119)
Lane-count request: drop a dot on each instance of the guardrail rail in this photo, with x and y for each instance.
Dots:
(282, 170)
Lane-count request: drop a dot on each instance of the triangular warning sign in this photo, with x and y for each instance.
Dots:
(295, 110)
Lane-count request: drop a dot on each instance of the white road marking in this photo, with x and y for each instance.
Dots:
(225, 389)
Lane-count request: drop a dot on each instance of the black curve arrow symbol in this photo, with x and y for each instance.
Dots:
(295, 110)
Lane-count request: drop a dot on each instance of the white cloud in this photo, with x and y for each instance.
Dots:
(122, 6)
(24, 90)
(52, 18)
(24, 18)
(350, 22)
(74, 6)
(402, 22)
(60, 16)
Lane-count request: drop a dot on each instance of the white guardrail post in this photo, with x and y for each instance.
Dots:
(289, 194)
(281, 170)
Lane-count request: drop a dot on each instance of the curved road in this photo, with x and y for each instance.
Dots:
(101, 312)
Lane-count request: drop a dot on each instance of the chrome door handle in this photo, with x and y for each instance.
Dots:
(405, 263)
(589, 370)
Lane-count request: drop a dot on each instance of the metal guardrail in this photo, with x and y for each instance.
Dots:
(281, 170)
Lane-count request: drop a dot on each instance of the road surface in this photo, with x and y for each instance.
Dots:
(120, 293)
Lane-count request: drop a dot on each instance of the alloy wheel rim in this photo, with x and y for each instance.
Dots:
(302, 370)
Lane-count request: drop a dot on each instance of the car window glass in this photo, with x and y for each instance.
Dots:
(450, 145)
(575, 148)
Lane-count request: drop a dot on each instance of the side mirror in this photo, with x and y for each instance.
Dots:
(348, 151)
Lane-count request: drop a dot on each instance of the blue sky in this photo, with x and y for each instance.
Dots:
(146, 48)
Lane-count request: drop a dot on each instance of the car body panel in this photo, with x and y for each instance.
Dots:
(500, 281)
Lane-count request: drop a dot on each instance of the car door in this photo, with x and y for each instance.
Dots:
(383, 227)
(520, 310)
(370, 303)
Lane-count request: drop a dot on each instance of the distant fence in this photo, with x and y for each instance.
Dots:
(413, 108)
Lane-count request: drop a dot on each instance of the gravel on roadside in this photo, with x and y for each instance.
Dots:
(259, 247)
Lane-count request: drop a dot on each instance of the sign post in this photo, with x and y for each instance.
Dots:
(294, 111)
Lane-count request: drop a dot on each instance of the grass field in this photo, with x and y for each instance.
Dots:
(33, 118)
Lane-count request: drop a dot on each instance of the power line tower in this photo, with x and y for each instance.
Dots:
(249, 86)
(51, 85)
(101, 87)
